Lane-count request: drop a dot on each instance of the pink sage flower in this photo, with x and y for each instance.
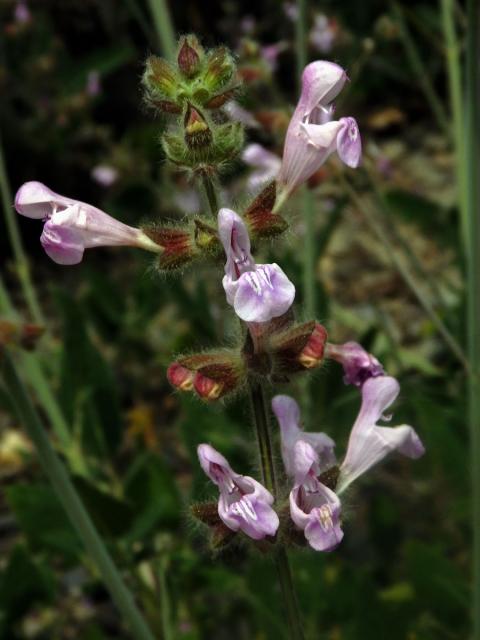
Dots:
(358, 365)
(244, 504)
(287, 412)
(265, 164)
(257, 292)
(72, 226)
(312, 135)
(314, 506)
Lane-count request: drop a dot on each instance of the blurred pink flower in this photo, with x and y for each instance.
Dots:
(266, 165)
(323, 33)
(105, 175)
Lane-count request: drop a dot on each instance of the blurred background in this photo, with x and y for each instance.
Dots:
(389, 274)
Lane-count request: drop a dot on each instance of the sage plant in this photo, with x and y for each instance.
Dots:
(301, 504)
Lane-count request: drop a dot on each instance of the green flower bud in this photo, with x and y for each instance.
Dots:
(189, 56)
(160, 78)
(219, 70)
(197, 131)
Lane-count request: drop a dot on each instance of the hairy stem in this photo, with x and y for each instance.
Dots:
(71, 502)
(211, 194)
(262, 427)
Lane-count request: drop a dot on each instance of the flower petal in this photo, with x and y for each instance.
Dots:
(263, 294)
(349, 143)
(209, 457)
(322, 81)
(287, 413)
(236, 243)
(369, 443)
(63, 245)
(35, 200)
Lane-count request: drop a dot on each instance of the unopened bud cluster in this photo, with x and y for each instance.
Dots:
(199, 84)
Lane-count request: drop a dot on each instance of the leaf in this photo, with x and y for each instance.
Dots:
(41, 517)
(24, 582)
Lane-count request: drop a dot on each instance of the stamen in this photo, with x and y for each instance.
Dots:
(325, 517)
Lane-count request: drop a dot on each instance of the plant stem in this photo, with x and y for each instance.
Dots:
(262, 427)
(163, 25)
(71, 502)
(455, 88)
(211, 193)
(22, 265)
(472, 169)
(421, 72)
(260, 415)
(378, 230)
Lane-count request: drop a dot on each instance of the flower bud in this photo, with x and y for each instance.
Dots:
(160, 78)
(177, 244)
(222, 98)
(219, 69)
(260, 219)
(312, 354)
(197, 132)
(212, 375)
(180, 377)
(298, 347)
(189, 56)
(207, 388)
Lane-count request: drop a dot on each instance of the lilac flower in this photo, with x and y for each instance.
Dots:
(257, 292)
(323, 33)
(270, 53)
(22, 12)
(105, 175)
(369, 443)
(312, 136)
(315, 507)
(243, 503)
(358, 365)
(266, 165)
(238, 113)
(72, 226)
(287, 413)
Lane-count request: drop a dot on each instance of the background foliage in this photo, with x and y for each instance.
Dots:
(114, 326)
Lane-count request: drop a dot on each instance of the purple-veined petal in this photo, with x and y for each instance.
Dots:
(243, 502)
(349, 142)
(233, 234)
(368, 443)
(314, 508)
(63, 245)
(263, 294)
